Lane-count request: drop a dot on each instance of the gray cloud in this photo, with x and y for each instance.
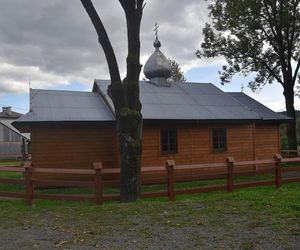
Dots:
(53, 42)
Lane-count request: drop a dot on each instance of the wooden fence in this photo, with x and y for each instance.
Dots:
(290, 153)
(169, 174)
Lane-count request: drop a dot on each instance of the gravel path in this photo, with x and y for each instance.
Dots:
(171, 230)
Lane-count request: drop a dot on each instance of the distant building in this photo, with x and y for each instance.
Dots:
(13, 144)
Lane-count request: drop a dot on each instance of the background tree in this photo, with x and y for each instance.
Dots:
(125, 93)
(260, 36)
(177, 74)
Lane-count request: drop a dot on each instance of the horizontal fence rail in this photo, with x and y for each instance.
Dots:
(170, 174)
(290, 153)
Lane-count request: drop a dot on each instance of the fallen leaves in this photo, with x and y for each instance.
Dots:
(60, 243)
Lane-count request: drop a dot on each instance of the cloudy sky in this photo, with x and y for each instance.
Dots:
(52, 45)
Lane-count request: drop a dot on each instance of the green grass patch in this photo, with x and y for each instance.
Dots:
(10, 175)
(10, 163)
(264, 205)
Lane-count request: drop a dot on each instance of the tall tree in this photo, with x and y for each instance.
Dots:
(125, 94)
(177, 74)
(260, 36)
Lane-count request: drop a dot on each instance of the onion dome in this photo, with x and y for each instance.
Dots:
(157, 68)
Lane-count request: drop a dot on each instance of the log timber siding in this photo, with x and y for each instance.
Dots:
(80, 146)
(245, 142)
(267, 140)
(74, 147)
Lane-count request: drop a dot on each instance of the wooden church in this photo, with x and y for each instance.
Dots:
(188, 122)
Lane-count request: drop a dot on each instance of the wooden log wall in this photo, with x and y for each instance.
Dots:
(74, 147)
(80, 146)
(195, 145)
(267, 140)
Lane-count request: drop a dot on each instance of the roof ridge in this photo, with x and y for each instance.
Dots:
(243, 105)
(60, 90)
(104, 99)
(258, 104)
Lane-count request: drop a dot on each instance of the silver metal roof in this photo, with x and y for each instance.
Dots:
(180, 101)
(57, 105)
(8, 123)
(255, 106)
(188, 101)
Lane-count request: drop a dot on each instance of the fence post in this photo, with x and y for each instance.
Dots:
(28, 181)
(277, 159)
(170, 168)
(230, 177)
(98, 183)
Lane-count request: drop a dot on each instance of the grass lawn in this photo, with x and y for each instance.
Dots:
(10, 163)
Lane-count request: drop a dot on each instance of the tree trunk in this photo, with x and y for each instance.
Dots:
(125, 94)
(129, 130)
(129, 119)
(129, 134)
(290, 111)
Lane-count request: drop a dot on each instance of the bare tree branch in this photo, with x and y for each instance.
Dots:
(296, 71)
(103, 40)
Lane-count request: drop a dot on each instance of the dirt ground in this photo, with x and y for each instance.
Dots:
(186, 225)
